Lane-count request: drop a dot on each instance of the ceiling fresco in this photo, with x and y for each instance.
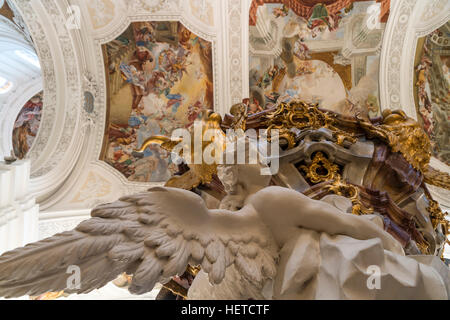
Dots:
(326, 53)
(160, 78)
(27, 125)
(432, 83)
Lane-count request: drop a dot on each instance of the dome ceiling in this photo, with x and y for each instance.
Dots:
(20, 72)
(76, 131)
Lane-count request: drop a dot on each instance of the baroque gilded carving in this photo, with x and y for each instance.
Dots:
(403, 135)
(352, 192)
(202, 173)
(321, 169)
(300, 115)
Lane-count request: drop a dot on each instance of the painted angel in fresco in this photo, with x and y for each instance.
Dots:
(145, 35)
(281, 12)
(133, 72)
(425, 109)
(26, 126)
(268, 77)
(320, 19)
(301, 50)
(20, 136)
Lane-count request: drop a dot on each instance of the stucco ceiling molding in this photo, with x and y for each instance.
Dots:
(392, 52)
(92, 126)
(409, 20)
(230, 81)
(57, 146)
(12, 102)
(48, 73)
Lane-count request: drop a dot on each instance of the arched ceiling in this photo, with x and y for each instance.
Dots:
(66, 169)
(20, 73)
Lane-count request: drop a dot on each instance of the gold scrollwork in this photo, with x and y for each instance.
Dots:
(436, 214)
(198, 173)
(403, 135)
(351, 192)
(424, 246)
(193, 270)
(303, 116)
(438, 217)
(321, 169)
(437, 178)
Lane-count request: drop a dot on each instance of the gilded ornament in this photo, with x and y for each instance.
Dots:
(321, 169)
(303, 116)
(351, 192)
(404, 135)
(438, 218)
(436, 214)
(437, 178)
(199, 173)
(240, 113)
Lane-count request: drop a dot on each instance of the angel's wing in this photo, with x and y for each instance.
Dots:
(153, 235)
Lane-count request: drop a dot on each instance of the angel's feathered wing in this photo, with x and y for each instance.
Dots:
(153, 235)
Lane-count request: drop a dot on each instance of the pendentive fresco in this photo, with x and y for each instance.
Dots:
(432, 83)
(27, 125)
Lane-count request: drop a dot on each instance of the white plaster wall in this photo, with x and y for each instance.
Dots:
(18, 210)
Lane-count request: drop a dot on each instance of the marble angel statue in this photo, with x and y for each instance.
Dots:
(280, 245)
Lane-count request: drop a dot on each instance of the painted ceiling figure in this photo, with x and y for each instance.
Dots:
(133, 73)
(321, 18)
(319, 15)
(27, 125)
(281, 12)
(307, 9)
